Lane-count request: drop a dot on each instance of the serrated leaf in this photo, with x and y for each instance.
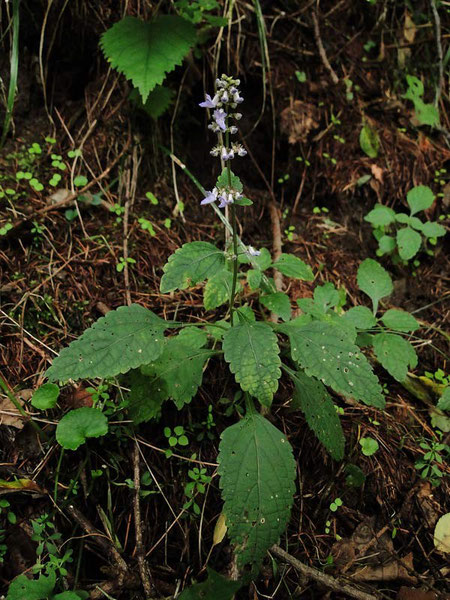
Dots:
(278, 303)
(254, 278)
(179, 370)
(400, 320)
(326, 296)
(444, 400)
(78, 425)
(360, 317)
(408, 242)
(419, 198)
(222, 181)
(218, 289)
(380, 216)
(374, 281)
(246, 313)
(431, 229)
(257, 472)
(325, 351)
(191, 264)
(292, 266)
(122, 340)
(22, 588)
(45, 397)
(395, 354)
(369, 141)
(145, 52)
(146, 396)
(252, 351)
(216, 587)
(386, 244)
(312, 398)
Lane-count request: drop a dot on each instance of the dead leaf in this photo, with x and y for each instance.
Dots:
(427, 503)
(220, 529)
(59, 196)
(391, 571)
(409, 593)
(77, 398)
(9, 415)
(442, 534)
(377, 172)
(20, 485)
(298, 120)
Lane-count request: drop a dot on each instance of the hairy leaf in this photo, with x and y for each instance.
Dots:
(279, 303)
(374, 281)
(252, 351)
(313, 399)
(79, 424)
(395, 354)
(216, 587)
(145, 52)
(191, 264)
(218, 289)
(380, 216)
(292, 266)
(257, 472)
(122, 340)
(419, 198)
(326, 352)
(400, 320)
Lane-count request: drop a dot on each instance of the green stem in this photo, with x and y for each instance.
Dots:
(20, 408)
(14, 68)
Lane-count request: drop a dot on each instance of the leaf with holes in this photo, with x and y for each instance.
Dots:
(179, 370)
(78, 425)
(252, 350)
(216, 587)
(145, 52)
(326, 352)
(257, 472)
(408, 242)
(278, 303)
(374, 281)
(292, 266)
(395, 354)
(191, 264)
(313, 399)
(400, 320)
(218, 289)
(122, 340)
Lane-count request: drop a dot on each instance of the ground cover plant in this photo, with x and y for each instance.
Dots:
(215, 390)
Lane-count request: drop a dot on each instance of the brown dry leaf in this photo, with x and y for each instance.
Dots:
(78, 398)
(446, 196)
(59, 196)
(391, 571)
(377, 172)
(428, 504)
(298, 120)
(409, 593)
(9, 415)
(20, 485)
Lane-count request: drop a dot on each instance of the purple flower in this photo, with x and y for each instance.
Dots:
(211, 197)
(219, 117)
(252, 252)
(226, 155)
(226, 199)
(209, 102)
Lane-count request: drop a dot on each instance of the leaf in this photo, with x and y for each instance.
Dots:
(22, 588)
(66, 596)
(426, 114)
(419, 198)
(380, 216)
(145, 52)
(325, 352)
(222, 181)
(157, 102)
(122, 340)
(313, 399)
(368, 446)
(400, 320)
(431, 229)
(444, 400)
(292, 266)
(326, 296)
(254, 278)
(257, 473)
(408, 242)
(374, 281)
(45, 397)
(386, 244)
(442, 534)
(220, 530)
(395, 354)
(179, 370)
(369, 141)
(278, 303)
(360, 317)
(216, 587)
(354, 476)
(218, 289)
(252, 351)
(191, 264)
(78, 425)
(145, 397)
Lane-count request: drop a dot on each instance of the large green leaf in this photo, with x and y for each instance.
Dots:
(78, 425)
(122, 340)
(216, 587)
(374, 281)
(419, 198)
(218, 289)
(179, 370)
(192, 263)
(22, 588)
(252, 351)
(145, 52)
(408, 242)
(313, 399)
(257, 472)
(326, 352)
(395, 354)
(292, 266)
(278, 303)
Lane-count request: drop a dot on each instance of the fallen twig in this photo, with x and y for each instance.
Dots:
(321, 49)
(143, 567)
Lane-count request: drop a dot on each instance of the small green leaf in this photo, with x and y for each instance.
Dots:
(400, 320)
(419, 198)
(222, 181)
(243, 202)
(369, 141)
(257, 472)
(278, 303)
(191, 264)
(386, 244)
(252, 351)
(368, 446)
(444, 400)
(403, 218)
(360, 317)
(408, 242)
(216, 587)
(431, 229)
(326, 296)
(67, 596)
(312, 398)
(254, 278)
(374, 281)
(292, 266)
(218, 289)
(45, 397)
(395, 354)
(78, 425)
(80, 181)
(354, 476)
(380, 216)
(23, 588)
